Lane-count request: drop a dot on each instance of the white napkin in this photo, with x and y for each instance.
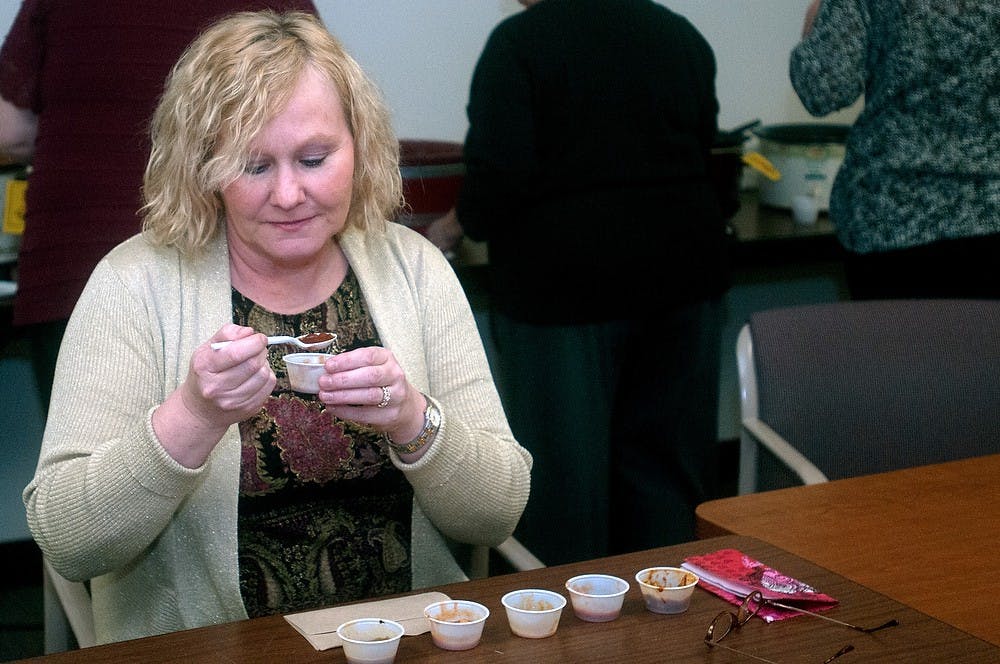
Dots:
(320, 626)
(727, 583)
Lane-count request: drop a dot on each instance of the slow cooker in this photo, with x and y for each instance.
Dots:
(808, 156)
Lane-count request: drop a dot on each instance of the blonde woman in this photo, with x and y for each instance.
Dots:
(191, 485)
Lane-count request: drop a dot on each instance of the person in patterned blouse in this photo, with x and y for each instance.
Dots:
(193, 485)
(916, 202)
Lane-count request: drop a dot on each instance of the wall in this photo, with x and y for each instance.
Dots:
(422, 53)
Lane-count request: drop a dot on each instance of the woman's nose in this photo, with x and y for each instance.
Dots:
(288, 190)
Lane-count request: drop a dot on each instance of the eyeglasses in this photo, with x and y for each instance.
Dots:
(727, 622)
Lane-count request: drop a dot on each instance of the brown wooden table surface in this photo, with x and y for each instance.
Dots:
(636, 636)
(928, 537)
(754, 222)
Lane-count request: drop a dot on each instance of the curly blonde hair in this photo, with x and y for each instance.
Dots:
(227, 85)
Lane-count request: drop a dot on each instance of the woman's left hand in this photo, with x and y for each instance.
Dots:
(367, 385)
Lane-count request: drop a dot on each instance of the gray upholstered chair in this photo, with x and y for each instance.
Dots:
(837, 390)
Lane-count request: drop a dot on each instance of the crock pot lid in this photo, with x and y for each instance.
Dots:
(802, 133)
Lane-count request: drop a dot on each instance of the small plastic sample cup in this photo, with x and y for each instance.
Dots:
(666, 589)
(456, 624)
(370, 640)
(597, 597)
(304, 370)
(533, 613)
(805, 209)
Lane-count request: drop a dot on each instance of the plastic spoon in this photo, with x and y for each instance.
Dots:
(295, 341)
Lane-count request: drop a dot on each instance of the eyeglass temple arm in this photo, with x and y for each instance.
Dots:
(843, 651)
(866, 630)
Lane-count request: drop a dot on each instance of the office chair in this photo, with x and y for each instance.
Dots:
(837, 390)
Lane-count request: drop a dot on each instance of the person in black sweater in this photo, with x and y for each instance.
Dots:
(590, 127)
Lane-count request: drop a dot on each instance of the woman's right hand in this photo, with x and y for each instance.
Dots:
(222, 387)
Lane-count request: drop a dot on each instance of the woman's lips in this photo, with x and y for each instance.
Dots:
(292, 224)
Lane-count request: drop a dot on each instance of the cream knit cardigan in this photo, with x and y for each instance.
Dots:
(157, 540)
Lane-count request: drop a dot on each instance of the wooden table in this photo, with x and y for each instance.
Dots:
(636, 636)
(928, 537)
(754, 222)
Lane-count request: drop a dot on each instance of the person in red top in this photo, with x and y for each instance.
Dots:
(77, 89)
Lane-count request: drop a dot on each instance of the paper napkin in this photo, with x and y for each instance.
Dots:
(320, 626)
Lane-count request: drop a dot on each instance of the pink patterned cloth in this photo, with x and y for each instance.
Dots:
(732, 575)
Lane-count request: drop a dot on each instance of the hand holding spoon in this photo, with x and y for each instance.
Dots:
(311, 341)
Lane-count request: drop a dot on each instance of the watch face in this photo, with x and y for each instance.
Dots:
(432, 417)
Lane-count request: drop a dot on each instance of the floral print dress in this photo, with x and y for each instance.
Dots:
(324, 516)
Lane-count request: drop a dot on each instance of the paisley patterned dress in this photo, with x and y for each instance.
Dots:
(324, 516)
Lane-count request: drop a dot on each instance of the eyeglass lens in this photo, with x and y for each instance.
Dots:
(720, 627)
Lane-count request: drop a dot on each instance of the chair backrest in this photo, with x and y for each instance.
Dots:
(864, 387)
(511, 552)
(68, 612)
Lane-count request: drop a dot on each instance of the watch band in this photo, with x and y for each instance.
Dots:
(432, 422)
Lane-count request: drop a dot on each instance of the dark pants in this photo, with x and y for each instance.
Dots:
(961, 268)
(621, 419)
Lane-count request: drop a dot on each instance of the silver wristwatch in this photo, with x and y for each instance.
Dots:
(432, 422)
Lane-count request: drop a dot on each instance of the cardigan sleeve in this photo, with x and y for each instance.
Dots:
(104, 488)
(474, 480)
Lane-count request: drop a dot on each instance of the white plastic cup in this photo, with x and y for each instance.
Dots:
(533, 613)
(597, 597)
(805, 209)
(304, 370)
(456, 624)
(666, 589)
(370, 640)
